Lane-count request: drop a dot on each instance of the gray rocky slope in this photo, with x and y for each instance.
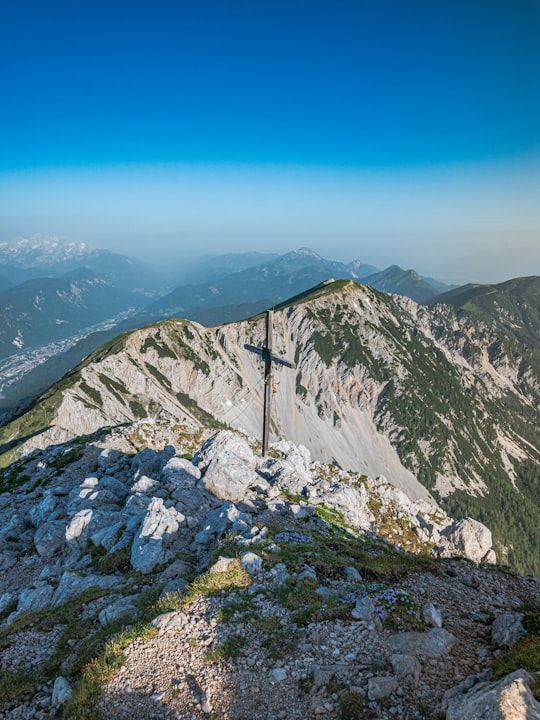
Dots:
(136, 582)
(431, 398)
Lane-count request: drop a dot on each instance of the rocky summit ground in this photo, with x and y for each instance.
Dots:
(147, 572)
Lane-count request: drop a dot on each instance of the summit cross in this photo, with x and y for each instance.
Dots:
(266, 354)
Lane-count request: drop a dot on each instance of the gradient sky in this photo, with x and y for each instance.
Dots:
(391, 131)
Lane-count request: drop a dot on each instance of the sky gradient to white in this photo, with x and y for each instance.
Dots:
(390, 132)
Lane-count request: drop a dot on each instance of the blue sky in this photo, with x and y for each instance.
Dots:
(391, 131)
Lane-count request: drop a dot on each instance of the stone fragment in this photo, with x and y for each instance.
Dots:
(221, 565)
(277, 674)
(159, 525)
(508, 699)
(123, 607)
(62, 692)
(381, 687)
(406, 667)
(363, 609)
(169, 622)
(507, 629)
(251, 563)
(434, 643)
(431, 615)
(50, 538)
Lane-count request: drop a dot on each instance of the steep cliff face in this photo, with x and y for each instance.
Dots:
(383, 386)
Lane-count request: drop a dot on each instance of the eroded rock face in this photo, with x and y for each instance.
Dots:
(508, 699)
(228, 464)
(468, 538)
(159, 526)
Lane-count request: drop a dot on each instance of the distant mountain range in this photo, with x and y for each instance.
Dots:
(67, 288)
(434, 397)
(247, 291)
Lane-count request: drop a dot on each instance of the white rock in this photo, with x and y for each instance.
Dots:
(169, 622)
(508, 699)
(251, 563)
(431, 615)
(159, 524)
(62, 692)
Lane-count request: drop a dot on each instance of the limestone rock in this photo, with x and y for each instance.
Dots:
(381, 687)
(228, 477)
(50, 538)
(431, 615)
(159, 525)
(406, 667)
(467, 538)
(508, 699)
(71, 584)
(434, 643)
(507, 629)
(62, 692)
(169, 622)
(123, 607)
(251, 563)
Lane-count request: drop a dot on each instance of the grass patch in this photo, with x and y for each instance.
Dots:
(61, 461)
(212, 584)
(353, 706)
(99, 670)
(16, 686)
(301, 599)
(230, 648)
(228, 611)
(525, 654)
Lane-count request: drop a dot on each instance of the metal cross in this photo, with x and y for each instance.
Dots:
(266, 354)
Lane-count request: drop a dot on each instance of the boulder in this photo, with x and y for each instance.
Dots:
(466, 538)
(507, 629)
(228, 477)
(214, 525)
(434, 643)
(381, 687)
(508, 699)
(158, 528)
(226, 444)
(251, 562)
(169, 622)
(406, 667)
(179, 473)
(352, 503)
(431, 615)
(37, 598)
(41, 512)
(124, 607)
(50, 538)
(62, 692)
(71, 584)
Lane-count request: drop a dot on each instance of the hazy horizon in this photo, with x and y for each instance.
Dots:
(385, 133)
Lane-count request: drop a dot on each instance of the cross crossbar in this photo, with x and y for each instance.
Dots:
(269, 358)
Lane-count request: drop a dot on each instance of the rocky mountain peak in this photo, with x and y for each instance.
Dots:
(227, 582)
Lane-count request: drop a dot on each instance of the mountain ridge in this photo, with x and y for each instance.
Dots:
(384, 386)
